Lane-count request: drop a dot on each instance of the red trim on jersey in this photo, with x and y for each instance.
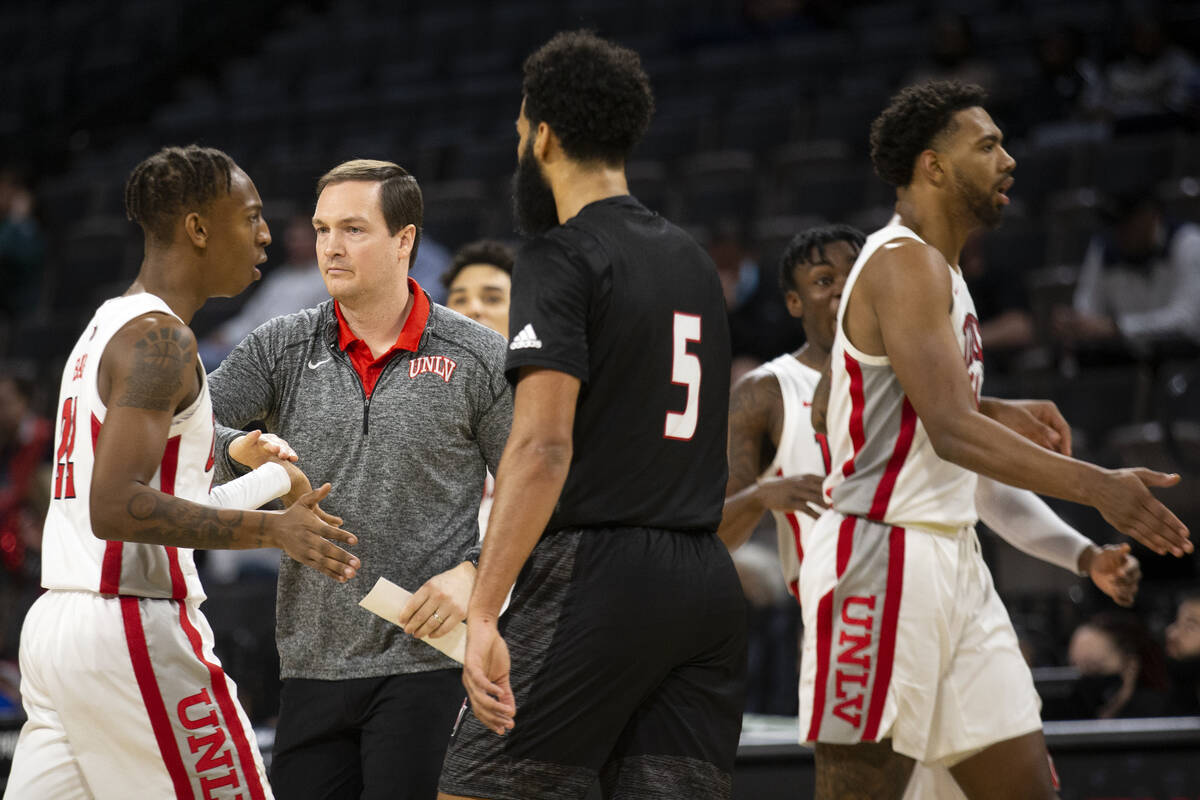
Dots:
(233, 722)
(857, 408)
(110, 566)
(160, 722)
(824, 641)
(845, 543)
(887, 632)
(826, 456)
(883, 492)
(166, 484)
(794, 523)
(794, 588)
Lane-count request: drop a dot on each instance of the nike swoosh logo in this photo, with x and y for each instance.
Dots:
(311, 365)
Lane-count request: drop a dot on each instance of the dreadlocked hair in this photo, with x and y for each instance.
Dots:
(174, 181)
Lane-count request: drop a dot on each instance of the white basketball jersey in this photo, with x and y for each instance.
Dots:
(73, 557)
(883, 465)
(801, 451)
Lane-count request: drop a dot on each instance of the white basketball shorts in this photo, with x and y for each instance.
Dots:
(125, 699)
(905, 637)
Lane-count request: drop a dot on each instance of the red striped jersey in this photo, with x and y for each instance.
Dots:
(883, 465)
(73, 557)
(800, 452)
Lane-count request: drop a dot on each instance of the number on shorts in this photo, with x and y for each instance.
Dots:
(685, 371)
(64, 475)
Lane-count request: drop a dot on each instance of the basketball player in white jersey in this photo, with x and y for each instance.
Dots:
(123, 693)
(908, 652)
(778, 453)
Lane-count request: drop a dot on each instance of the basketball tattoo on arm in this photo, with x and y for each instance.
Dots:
(160, 361)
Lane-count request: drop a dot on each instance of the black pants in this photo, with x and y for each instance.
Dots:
(628, 651)
(368, 738)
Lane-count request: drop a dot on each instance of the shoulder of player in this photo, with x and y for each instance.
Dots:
(151, 327)
(755, 398)
(153, 356)
(906, 266)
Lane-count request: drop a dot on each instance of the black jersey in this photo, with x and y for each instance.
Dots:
(630, 304)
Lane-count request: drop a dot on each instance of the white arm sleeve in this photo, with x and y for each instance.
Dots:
(253, 489)
(1024, 520)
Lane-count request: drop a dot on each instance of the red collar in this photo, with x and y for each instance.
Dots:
(410, 334)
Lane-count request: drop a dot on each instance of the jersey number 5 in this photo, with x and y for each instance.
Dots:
(64, 473)
(685, 371)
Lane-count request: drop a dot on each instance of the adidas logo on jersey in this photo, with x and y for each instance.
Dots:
(525, 339)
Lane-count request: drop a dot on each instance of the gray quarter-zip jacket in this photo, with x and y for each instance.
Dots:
(407, 467)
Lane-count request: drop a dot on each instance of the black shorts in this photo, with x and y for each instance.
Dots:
(628, 654)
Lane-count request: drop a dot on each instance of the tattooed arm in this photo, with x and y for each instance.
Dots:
(755, 426)
(147, 373)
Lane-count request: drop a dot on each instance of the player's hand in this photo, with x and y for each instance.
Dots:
(1114, 571)
(301, 534)
(440, 604)
(1123, 498)
(257, 448)
(1039, 421)
(486, 676)
(793, 493)
(300, 487)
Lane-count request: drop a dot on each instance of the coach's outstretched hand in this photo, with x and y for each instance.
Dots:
(1123, 498)
(486, 673)
(1114, 571)
(302, 534)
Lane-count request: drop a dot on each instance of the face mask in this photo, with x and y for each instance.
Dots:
(1092, 692)
(1184, 671)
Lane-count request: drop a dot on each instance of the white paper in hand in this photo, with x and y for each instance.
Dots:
(387, 600)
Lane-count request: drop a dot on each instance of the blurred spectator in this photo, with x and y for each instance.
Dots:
(1067, 86)
(1152, 81)
(1001, 304)
(773, 632)
(1183, 657)
(432, 261)
(21, 578)
(21, 246)
(1122, 671)
(952, 55)
(289, 287)
(759, 326)
(1139, 282)
(25, 441)
(479, 282)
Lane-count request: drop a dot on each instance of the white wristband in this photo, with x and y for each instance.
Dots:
(254, 489)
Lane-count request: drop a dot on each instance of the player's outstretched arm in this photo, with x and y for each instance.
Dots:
(755, 408)
(149, 370)
(906, 288)
(1024, 520)
(529, 480)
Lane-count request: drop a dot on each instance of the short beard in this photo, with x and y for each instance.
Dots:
(534, 209)
(980, 205)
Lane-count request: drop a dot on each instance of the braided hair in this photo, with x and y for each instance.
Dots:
(174, 181)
